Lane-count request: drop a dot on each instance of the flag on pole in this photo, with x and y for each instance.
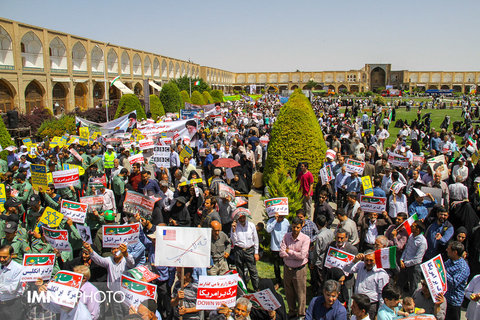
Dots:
(386, 258)
(241, 284)
(408, 223)
(114, 79)
(196, 83)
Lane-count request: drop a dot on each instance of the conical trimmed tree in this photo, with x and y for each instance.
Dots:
(129, 102)
(5, 139)
(156, 107)
(170, 97)
(185, 98)
(207, 98)
(296, 137)
(197, 98)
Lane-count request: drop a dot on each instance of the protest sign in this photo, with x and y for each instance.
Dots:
(367, 186)
(397, 160)
(37, 266)
(94, 202)
(186, 152)
(418, 160)
(213, 291)
(145, 144)
(437, 193)
(142, 273)
(74, 210)
(65, 178)
(68, 166)
(161, 156)
(190, 182)
(27, 142)
(56, 142)
(136, 291)
(438, 164)
(183, 247)
(138, 203)
(264, 299)
(191, 114)
(396, 186)
(225, 191)
(3, 196)
(276, 205)
(98, 182)
(419, 317)
(435, 275)
(85, 233)
(65, 288)
(337, 258)
(39, 176)
(330, 154)
(352, 166)
(326, 175)
(58, 239)
(51, 217)
(373, 204)
(136, 158)
(76, 154)
(240, 211)
(115, 235)
(264, 140)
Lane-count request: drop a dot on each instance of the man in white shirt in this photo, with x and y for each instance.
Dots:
(245, 240)
(460, 170)
(458, 191)
(10, 286)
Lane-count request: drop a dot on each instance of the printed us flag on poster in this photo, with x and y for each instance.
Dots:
(74, 210)
(277, 205)
(213, 291)
(136, 291)
(65, 178)
(37, 266)
(337, 258)
(113, 236)
(65, 288)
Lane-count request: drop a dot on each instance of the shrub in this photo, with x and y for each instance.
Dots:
(207, 98)
(33, 120)
(296, 137)
(185, 98)
(128, 103)
(5, 139)
(57, 127)
(379, 100)
(217, 96)
(170, 97)
(156, 107)
(197, 98)
(98, 115)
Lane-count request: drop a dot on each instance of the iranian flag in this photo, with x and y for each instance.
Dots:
(114, 79)
(408, 223)
(386, 258)
(196, 83)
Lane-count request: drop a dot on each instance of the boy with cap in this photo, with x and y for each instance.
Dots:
(109, 218)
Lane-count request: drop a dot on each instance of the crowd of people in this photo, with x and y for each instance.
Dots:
(441, 199)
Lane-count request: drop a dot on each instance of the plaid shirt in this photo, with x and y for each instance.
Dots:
(457, 276)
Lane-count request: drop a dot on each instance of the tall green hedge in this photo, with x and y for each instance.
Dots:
(170, 97)
(280, 184)
(197, 98)
(217, 95)
(207, 98)
(185, 98)
(57, 127)
(156, 107)
(296, 137)
(128, 103)
(5, 139)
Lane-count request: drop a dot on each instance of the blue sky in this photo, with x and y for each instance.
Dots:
(242, 36)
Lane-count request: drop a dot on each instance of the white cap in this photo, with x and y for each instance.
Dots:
(109, 146)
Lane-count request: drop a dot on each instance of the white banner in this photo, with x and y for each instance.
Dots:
(213, 291)
(65, 178)
(183, 247)
(398, 160)
(373, 204)
(337, 258)
(113, 236)
(264, 299)
(74, 210)
(435, 275)
(179, 129)
(58, 239)
(136, 291)
(161, 156)
(276, 205)
(37, 266)
(65, 288)
(354, 166)
(136, 158)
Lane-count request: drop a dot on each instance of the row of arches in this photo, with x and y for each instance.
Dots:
(272, 89)
(35, 95)
(31, 49)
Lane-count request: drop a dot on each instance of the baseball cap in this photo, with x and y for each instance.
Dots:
(34, 200)
(11, 202)
(10, 227)
(109, 146)
(181, 199)
(109, 215)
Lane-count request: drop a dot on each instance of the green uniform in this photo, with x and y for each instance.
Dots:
(3, 166)
(118, 185)
(86, 160)
(99, 162)
(31, 220)
(51, 203)
(25, 190)
(20, 245)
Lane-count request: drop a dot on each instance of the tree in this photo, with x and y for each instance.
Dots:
(128, 103)
(5, 139)
(185, 98)
(379, 100)
(57, 127)
(170, 97)
(281, 184)
(207, 98)
(184, 83)
(197, 98)
(217, 96)
(296, 137)
(310, 84)
(156, 107)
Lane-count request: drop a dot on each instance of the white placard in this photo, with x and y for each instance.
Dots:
(213, 291)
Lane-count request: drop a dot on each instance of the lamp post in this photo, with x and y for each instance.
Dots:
(105, 70)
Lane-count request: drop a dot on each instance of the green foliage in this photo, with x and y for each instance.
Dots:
(5, 139)
(128, 103)
(184, 83)
(281, 184)
(170, 97)
(310, 85)
(379, 100)
(207, 98)
(217, 95)
(57, 127)
(185, 98)
(296, 137)
(156, 107)
(197, 98)
(379, 89)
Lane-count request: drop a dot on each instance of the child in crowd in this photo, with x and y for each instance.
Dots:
(408, 308)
